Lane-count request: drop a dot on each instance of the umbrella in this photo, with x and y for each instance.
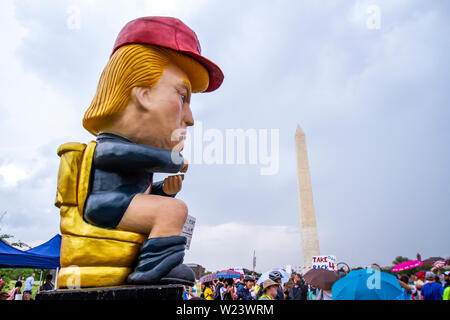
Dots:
(321, 278)
(367, 284)
(228, 274)
(285, 276)
(208, 278)
(406, 265)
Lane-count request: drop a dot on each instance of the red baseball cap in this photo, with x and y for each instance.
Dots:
(169, 33)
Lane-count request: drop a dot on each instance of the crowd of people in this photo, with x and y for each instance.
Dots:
(246, 288)
(420, 286)
(424, 285)
(16, 293)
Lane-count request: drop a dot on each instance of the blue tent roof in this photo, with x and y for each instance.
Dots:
(51, 248)
(44, 256)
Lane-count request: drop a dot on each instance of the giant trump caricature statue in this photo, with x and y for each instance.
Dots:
(117, 225)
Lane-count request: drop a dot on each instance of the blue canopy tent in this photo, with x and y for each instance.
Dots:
(44, 256)
(50, 250)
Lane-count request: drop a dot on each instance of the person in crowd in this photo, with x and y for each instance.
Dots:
(185, 293)
(287, 287)
(15, 291)
(190, 292)
(29, 283)
(277, 276)
(243, 293)
(227, 292)
(270, 290)
(218, 289)
(312, 292)
(446, 279)
(27, 296)
(240, 282)
(48, 285)
(412, 281)
(255, 290)
(341, 272)
(193, 290)
(446, 294)
(437, 279)
(324, 295)
(431, 290)
(407, 291)
(420, 280)
(299, 291)
(207, 292)
(3, 295)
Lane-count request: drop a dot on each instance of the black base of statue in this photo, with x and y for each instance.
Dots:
(154, 292)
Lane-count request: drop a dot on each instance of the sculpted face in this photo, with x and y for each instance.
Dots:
(154, 114)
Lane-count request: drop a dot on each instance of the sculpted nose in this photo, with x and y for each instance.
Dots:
(188, 117)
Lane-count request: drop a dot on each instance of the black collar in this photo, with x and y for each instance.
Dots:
(111, 136)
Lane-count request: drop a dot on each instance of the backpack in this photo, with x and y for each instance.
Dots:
(217, 291)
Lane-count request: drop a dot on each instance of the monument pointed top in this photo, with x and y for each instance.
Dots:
(299, 131)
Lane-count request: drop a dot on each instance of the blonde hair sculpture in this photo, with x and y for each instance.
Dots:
(136, 65)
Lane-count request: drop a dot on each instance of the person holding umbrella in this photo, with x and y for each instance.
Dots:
(270, 290)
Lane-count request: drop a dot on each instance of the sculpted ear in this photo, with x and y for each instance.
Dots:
(141, 96)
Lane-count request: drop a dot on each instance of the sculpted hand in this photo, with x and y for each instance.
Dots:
(185, 167)
(172, 184)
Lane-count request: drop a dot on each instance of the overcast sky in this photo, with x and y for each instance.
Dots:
(372, 99)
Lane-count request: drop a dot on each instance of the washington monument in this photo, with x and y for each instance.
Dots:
(308, 227)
